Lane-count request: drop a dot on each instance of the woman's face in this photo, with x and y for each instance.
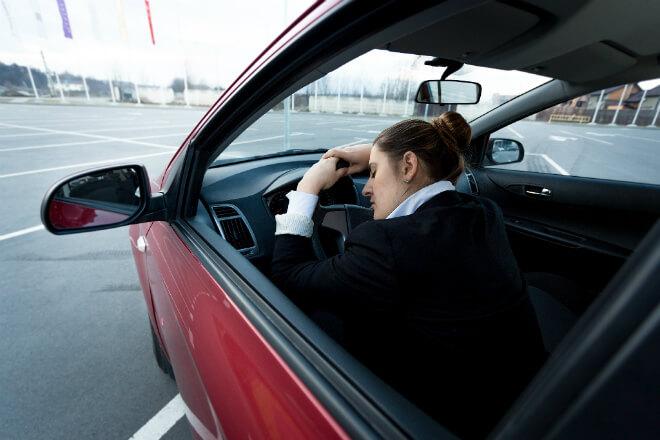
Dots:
(384, 187)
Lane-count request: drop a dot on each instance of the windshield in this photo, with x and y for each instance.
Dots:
(352, 104)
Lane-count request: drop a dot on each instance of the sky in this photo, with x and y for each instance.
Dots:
(209, 41)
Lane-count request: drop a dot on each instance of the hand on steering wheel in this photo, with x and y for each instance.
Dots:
(322, 175)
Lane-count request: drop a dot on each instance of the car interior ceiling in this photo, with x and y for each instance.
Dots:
(538, 37)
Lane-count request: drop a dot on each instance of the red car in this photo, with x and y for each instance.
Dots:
(582, 221)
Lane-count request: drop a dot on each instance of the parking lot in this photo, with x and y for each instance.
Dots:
(76, 351)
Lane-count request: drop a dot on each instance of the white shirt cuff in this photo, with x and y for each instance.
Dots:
(294, 223)
(302, 203)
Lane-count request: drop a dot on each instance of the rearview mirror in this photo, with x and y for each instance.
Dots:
(98, 199)
(448, 92)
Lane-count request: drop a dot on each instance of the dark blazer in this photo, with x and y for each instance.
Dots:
(432, 302)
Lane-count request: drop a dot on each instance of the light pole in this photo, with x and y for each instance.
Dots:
(600, 100)
(639, 107)
(34, 87)
(618, 107)
(382, 110)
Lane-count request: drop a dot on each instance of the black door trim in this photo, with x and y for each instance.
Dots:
(622, 308)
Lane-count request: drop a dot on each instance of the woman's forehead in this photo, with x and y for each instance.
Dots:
(376, 154)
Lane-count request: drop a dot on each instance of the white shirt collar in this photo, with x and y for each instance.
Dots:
(423, 195)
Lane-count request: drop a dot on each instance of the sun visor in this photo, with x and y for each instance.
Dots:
(587, 63)
(469, 34)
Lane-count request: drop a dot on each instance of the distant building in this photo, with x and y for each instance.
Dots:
(650, 100)
(612, 96)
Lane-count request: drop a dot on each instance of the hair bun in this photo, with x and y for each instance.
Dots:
(454, 130)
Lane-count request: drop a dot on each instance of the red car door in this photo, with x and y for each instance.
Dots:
(233, 383)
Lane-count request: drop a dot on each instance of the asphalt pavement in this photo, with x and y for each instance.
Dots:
(75, 350)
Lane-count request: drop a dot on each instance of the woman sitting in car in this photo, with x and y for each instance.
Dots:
(429, 293)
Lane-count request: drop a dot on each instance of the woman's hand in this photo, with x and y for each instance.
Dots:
(357, 156)
(322, 175)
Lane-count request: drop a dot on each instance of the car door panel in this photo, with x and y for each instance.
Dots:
(240, 388)
(584, 230)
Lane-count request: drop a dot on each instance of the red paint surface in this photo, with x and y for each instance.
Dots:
(234, 384)
(63, 215)
(151, 26)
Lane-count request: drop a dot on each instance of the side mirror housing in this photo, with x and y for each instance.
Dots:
(448, 92)
(504, 151)
(102, 198)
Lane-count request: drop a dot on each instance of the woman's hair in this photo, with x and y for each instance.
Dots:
(440, 144)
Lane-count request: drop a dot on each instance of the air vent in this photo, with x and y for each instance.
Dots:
(237, 233)
(234, 228)
(474, 189)
(225, 211)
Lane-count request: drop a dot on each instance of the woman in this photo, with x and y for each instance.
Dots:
(429, 293)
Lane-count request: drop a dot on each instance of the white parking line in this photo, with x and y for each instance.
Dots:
(78, 165)
(251, 141)
(359, 131)
(21, 232)
(638, 137)
(329, 122)
(66, 144)
(99, 130)
(148, 127)
(516, 133)
(355, 142)
(552, 163)
(586, 137)
(163, 421)
(372, 124)
(93, 136)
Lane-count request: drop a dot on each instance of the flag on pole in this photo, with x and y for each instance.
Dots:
(121, 20)
(151, 26)
(66, 25)
(9, 20)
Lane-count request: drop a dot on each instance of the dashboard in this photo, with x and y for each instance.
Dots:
(242, 199)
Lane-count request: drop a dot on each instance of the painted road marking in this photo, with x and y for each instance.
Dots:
(358, 131)
(149, 127)
(93, 136)
(86, 164)
(37, 147)
(601, 134)
(163, 421)
(66, 144)
(251, 141)
(639, 137)
(586, 137)
(355, 142)
(516, 133)
(21, 232)
(552, 163)
(552, 137)
(372, 124)
(329, 122)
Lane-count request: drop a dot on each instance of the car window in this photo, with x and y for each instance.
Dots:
(608, 134)
(356, 101)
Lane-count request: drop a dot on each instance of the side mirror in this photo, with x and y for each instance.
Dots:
(101, 199)
(448, 92)
(503, 151)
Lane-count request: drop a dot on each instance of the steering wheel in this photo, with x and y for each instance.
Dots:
(332, 224)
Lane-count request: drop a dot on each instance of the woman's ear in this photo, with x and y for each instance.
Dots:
(410, 165)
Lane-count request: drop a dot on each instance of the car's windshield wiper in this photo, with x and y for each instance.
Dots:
(290, 152)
